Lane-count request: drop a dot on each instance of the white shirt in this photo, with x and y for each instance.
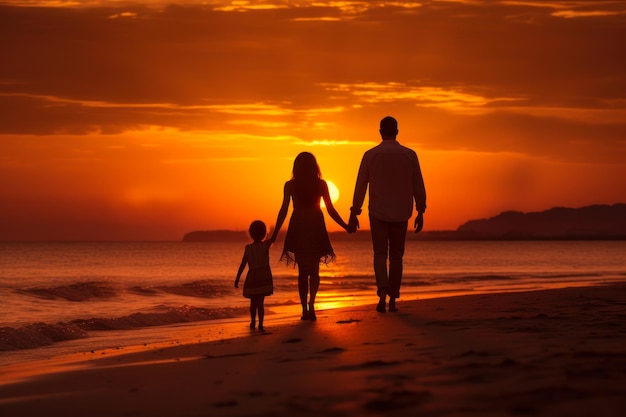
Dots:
(395, 181)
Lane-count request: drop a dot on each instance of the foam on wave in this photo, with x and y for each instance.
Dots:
(37, 335)
(42, 334)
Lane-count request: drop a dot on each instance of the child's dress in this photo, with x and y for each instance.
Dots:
(259, 279)
(307, 233)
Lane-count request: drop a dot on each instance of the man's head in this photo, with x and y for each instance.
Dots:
(388, 128)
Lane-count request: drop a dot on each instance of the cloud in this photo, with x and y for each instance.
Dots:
(569, 14)
(123, 15)
(573, 9)
(451, 99)
(317, 69)
(243, 6)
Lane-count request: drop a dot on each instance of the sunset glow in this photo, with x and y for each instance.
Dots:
(333, 191)
(145, 120)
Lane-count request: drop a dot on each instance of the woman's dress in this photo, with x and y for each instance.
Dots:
(306, 234)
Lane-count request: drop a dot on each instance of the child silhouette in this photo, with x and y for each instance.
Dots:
(259, 282)
(306, 242)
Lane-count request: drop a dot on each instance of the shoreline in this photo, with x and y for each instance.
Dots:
(118, 341)
(546, 352)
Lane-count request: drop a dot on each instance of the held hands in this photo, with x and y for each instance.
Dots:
(353, 223)
(419, 222)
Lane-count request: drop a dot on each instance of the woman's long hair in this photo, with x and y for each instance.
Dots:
(306, 176)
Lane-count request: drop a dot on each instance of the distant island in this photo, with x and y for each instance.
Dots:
(590, 222)
(595, 222)
(215, 235)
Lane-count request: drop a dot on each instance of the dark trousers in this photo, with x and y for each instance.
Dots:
(388, 239)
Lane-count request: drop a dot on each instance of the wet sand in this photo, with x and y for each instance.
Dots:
(551, 353)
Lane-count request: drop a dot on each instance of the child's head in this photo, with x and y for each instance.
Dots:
(257, 230)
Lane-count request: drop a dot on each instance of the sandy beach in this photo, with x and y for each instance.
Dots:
(555, 352)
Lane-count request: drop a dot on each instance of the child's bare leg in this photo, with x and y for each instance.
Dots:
(261, 310)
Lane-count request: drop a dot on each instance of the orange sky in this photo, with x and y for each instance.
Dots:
(143, 120)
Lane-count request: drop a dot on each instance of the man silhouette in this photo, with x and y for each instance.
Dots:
(393, 174)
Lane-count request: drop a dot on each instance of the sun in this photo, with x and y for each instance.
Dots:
(333, 191)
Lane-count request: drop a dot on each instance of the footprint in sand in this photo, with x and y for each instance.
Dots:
(294, 340)
(333, 350)
(348, 321)
(367, 365)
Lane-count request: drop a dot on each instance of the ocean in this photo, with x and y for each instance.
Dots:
(59, 297)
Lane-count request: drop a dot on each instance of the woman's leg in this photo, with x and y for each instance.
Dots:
(303, 289)
(314, 285)
(252, 313)
(309, 271)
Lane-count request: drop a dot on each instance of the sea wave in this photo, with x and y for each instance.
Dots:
(80, 291)
(93, 290)
(37, 335)
(172, 315)
(42, 334)
(202, 289)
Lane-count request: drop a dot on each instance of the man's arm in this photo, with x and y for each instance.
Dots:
(419, 222)
(419, 194)
(419, 190)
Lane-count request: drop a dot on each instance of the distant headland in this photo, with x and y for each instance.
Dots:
(595, 222)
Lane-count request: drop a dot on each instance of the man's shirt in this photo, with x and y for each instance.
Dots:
(395, 181)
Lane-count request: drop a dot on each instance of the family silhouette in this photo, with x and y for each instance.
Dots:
(393, 176)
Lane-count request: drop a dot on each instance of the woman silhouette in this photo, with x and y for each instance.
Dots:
(306, 243)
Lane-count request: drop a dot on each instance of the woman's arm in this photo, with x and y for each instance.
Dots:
(330, 208)
(282, 213)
